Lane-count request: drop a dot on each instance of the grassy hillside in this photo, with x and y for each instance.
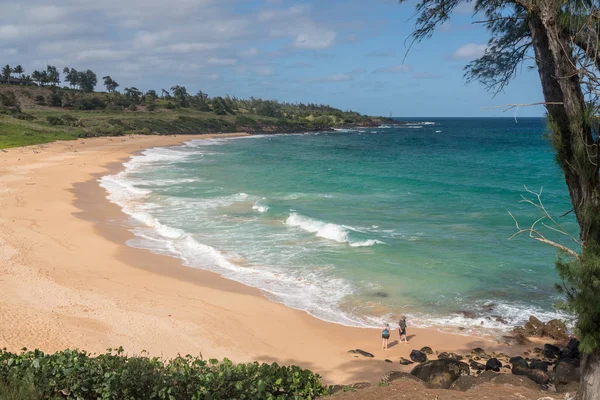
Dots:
(32, 115)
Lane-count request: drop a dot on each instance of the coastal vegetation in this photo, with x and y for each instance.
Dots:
(73, 374)
(37, 109)
(564, 40)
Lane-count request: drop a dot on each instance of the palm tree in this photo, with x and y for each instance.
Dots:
(19, 70)
(6, 72)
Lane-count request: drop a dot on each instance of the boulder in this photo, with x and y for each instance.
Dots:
(441, 373)
(427, 350)
(388, 361)
(556, 329)
(493, 364)
(364, 353)
(534, 327)
(539, 364)
(418, 356)
(514, 380)
(467, 314)
(519, 335)
(518, 361)
(539, 377)
(360, 385)
(445, 356)
(571, 387)
(404, 361)
(566, 371)
(476, 366)
(550, 351)
(465, 383)
(396, 375)
(479, 352)
(572, 349)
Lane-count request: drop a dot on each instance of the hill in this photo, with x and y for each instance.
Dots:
(38, 114)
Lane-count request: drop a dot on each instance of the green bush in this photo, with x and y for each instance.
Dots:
(40, 100)
(70, 120)
(151, 107)
(24, 116)
(74, 374)
(114, 107)
(132, 107)
(54, 120)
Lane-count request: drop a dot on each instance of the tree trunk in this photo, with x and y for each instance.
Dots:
(590, 376)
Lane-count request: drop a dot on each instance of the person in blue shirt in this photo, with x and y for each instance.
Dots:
(385, 334)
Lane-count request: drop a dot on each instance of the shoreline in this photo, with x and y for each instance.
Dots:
(70, 280)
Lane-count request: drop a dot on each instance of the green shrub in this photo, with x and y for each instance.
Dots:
(74, 374)
(151, 107)
(24, 116)
(144, 131)
(170, 106)
(26, 93)
(113, 107)
(70, 120)
(54, 120)
(55, 99)
(132, 107)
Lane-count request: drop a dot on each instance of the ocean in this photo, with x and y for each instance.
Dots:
(361, 226)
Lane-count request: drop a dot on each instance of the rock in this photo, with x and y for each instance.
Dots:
(418, 356)
(539, 364)
(551, 351)
(381, 294)
(556, 329)
(539, 377)
(537, 350)
(519, 335)
(427, 350)
(566, 371)
(500, 319)
(465, 383)
(333, 389)
(493, 364)
(445, 356)
(388, 361)
(364, 353)
(534, 327)
(514, 380)
(404, 361)
(352, 351)
(479, 352)
(572, 349)
(467, 314)
(489, 307)
(396, 375)
(477, 366)
(571, 387)
(441, 373)
(518, 360)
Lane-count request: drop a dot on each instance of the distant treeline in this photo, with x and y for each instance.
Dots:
(175, 97)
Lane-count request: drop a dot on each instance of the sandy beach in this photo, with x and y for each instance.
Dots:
(68, 280)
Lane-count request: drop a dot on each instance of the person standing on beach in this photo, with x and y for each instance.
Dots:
(402, 329)
(385, 334)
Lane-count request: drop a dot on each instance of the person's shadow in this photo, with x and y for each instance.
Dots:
(392, 344)
(409, 337)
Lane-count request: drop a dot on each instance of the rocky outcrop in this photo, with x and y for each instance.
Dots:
(427, 350)
(418, 356)
(395, 375)
(566, 373)
(534, 327)
(539, 364)
(539, 377)
(441, 373)
(550, 351)
(556, 330)
(476, 366)
(404, 361)
(445, 356)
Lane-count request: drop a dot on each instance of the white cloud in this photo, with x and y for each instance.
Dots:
(469, 51)
(315, 40)
(222, 61)
(334, 78)
(47, 14)
(251, 52)
(396, 69)
(191, 47)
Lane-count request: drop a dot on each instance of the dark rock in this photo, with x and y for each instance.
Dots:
(493, 364)
(352, 351)
(539, 364)
(566, 371)
(360, 385)
(396, 375)
(514, 380)
(477, 366)
(333, 389)
(381, 294)
(404, 361)
(500, 319)
(537, 350)
(479, 352)
(445, 356)
(388, 361)
(441, 373)
(427, 350)
(418, 356)
(534, 327)
(489, 307)
(572, 349)
(506, 366)
(364, 353)
(519, 335)
(556, 329)
(518, 361)
(539, 377)
(551, 351)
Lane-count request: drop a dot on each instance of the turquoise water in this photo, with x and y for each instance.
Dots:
(357, 227)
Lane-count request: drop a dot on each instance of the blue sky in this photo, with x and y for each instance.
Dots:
(346, 53)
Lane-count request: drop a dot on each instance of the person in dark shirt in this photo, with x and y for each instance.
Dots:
(402, 329)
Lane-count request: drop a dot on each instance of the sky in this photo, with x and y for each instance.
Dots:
(346, 53)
